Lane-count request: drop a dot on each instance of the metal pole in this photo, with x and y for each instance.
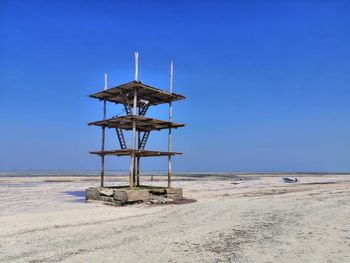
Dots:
(170, 120)
(103, 138)
(133, 139)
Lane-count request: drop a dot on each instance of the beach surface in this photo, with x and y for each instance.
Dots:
(257, 219)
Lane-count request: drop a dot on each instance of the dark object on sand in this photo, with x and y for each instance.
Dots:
(289, 180)
(236, 181)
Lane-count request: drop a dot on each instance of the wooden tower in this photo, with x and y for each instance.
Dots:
(136, 98)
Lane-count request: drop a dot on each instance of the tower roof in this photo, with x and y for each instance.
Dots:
(124, 94)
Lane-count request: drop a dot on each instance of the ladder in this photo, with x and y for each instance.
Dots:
(144, 140)
(144, 109)
(121, 138)
(126, 105)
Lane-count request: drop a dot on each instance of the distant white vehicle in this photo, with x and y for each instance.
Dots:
(289, 180)
(236, 181)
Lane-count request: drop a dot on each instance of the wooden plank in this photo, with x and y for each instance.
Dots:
(142, 123)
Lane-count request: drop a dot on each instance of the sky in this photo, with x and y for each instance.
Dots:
(267, 82)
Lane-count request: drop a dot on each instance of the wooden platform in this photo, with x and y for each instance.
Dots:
(142, 123)
(124, 93)
(138, 153)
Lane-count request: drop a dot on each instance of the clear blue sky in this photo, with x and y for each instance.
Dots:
(267, 82)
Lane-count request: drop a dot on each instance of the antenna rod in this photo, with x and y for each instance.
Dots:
(136, 66)
(106, 79)
(171, 77)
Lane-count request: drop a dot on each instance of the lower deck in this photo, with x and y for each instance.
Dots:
(138, 153)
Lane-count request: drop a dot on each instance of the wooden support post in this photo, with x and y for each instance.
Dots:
(170, 120)
(134, 172)
(131, 178)
(138, 172)
(103, 138)
(103, 157)
(138, 158)
(133, 139)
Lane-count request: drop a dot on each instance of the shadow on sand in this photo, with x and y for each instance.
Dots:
(79, 194)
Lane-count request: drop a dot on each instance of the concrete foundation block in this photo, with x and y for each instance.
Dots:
(120, 196)
(174, 193)
(106, 199)
(123, 196)
(160, 191)
(106, 192)
(116, 202)
(138, 195)
(92, 194)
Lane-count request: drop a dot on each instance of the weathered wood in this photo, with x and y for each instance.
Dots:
(103, 157)
(138, 157)
(136, 96)
(142, 123)
(134, 171)
(138, 171)
(137, 153)
(153, 95)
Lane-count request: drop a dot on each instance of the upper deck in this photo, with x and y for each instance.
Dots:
(124, 93)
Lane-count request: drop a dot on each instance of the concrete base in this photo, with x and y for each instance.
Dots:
(125, 195)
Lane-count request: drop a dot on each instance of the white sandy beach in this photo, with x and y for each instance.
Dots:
(262, 219)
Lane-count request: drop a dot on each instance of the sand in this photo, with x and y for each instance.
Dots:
(262, 219)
